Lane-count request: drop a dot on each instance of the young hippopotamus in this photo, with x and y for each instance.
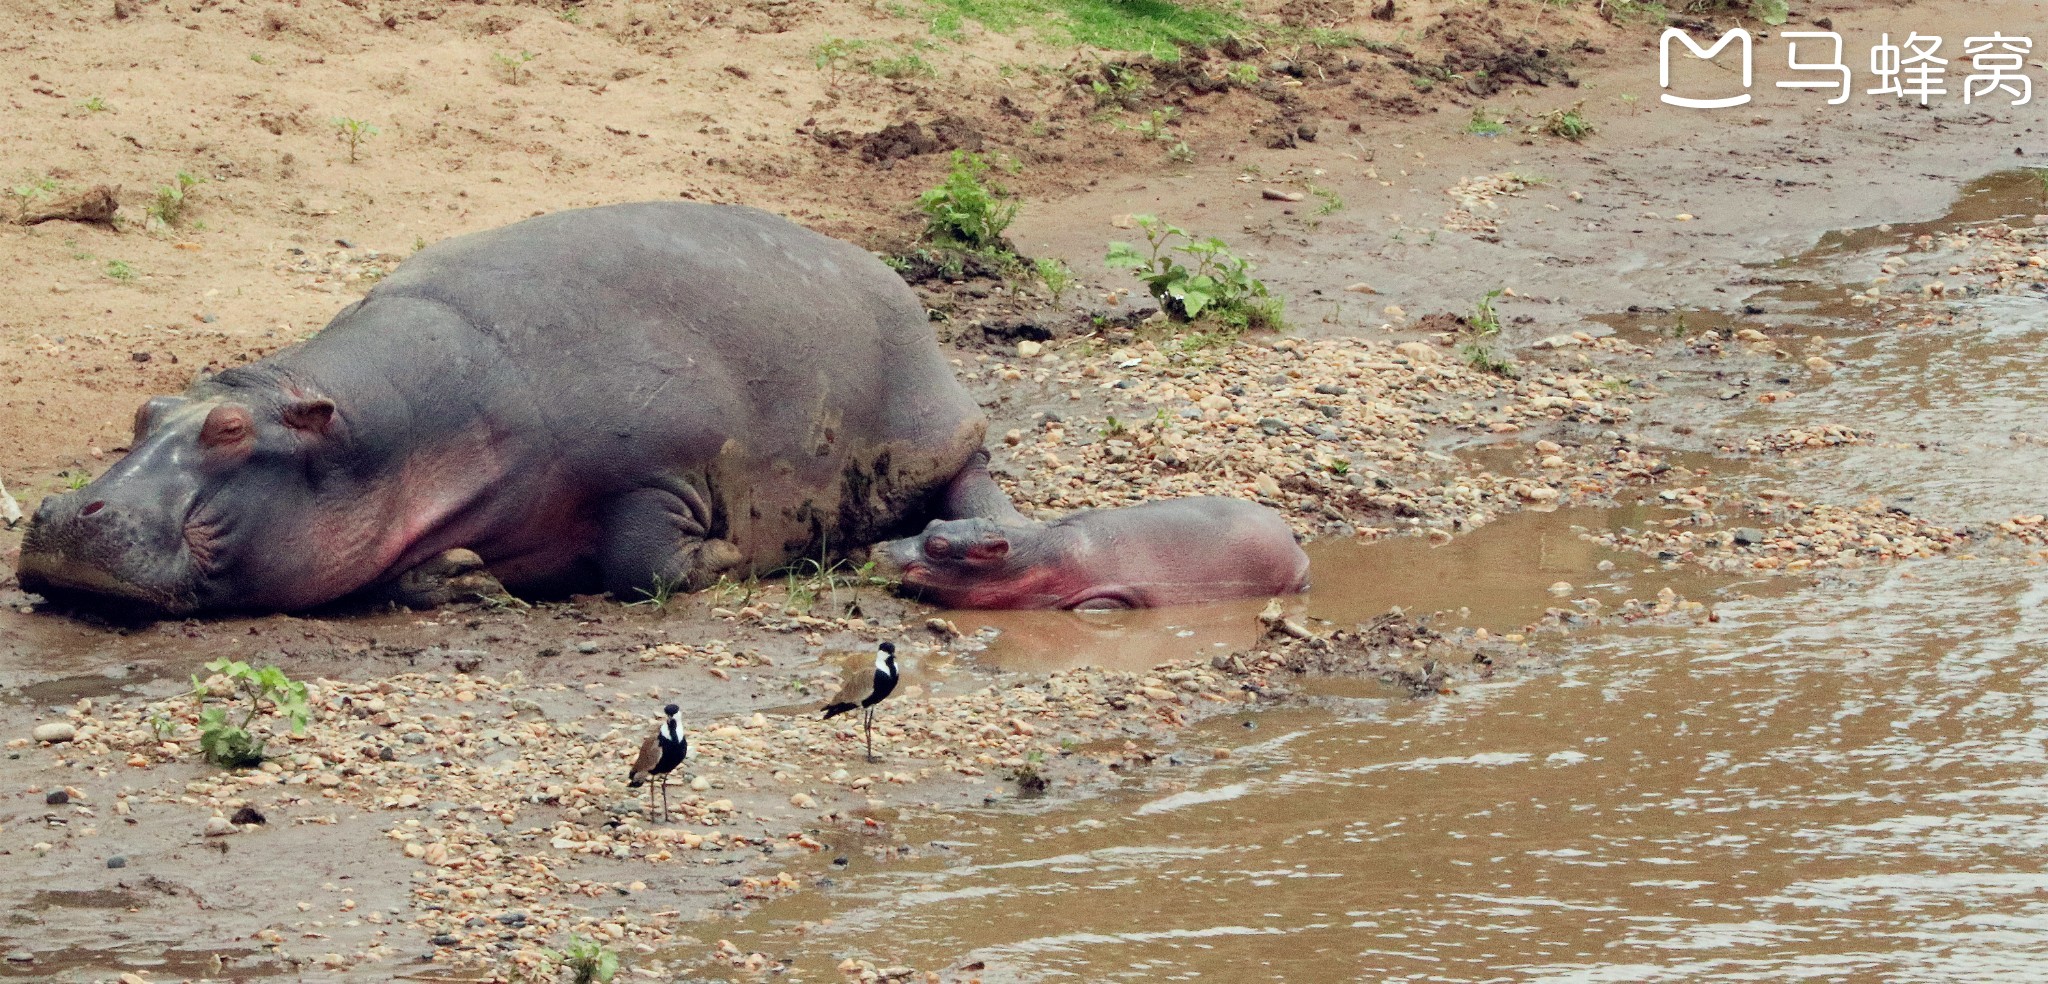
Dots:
(1177, 552)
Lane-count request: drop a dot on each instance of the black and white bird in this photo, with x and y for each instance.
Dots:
(659, 755)
(864, 691)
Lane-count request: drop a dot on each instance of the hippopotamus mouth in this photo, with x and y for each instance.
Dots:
(67, 555)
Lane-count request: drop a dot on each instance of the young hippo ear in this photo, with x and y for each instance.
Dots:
(228, 426)
(310, 416)
(994, 547)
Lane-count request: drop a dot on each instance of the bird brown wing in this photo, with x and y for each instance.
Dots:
(650, 754)
(856, 679)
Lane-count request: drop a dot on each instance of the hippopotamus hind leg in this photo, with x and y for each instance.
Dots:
(654, 537)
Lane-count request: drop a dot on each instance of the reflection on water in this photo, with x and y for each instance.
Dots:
(1848, 781)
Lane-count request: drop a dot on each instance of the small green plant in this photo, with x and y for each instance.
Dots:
(966, 211)
(658, 596)
(230, 746)
(257, 57)
(120, 270)
(1219, 284)
(513, 66)
(1180, 153)
(731, 592)
(30, 190)
(1480, 357)
(2041, 176)
(355, 133)
(95, 104)
(171, 199)
(1154, 127)
(1485, 321)
(1242, 73)
(1772, 12)
(1483, 124)
(1112, 427)
(77, 480)
(161, 725)
(1057, 276)
(1339, 466)
(1569, 123)
(1328, 202)
(587, 961)
(904, 66)
(1115, 84)
(571, 15)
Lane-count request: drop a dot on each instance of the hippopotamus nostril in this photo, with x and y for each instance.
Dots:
(92, 507)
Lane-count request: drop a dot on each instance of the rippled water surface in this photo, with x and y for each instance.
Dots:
(1844, 781)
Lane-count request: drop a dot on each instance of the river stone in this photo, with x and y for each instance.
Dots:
(117, 861)
(20, 956)
(54, 732)
(56, 797)
(1749, 536)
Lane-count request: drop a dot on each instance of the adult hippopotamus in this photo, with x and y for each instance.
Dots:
(1174, 552)
(622, 396)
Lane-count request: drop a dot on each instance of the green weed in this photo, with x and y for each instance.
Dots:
(1482, 124)
(1056, 275)
(77, 480)
(230, 746)
(512, 66)
(96, 104)
(355, 133)
(1569, 124)
(171, 200)
(1219, 284)
(1480, 357)
(587, 961)
(660, 594)
(965, 210)
(1485, 321)
(120, 270)
(1328, 202)
(28, 191)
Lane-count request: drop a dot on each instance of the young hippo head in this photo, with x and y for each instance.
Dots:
(952, 562)
(209, 509)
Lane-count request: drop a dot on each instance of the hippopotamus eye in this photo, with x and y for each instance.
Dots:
(226, 426)
(938, 546)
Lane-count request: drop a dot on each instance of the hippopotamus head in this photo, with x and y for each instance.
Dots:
(196, 515)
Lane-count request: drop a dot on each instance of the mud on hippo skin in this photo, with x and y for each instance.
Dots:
(617, 397)
(1175, 552)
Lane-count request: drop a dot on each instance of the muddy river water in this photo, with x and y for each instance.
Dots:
(1844, 778)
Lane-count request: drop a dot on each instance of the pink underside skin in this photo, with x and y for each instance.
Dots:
(1128, 575)
(441, 499)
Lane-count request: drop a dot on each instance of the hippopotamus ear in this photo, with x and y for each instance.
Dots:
(147, 415)
(994, 546)
(312, 416)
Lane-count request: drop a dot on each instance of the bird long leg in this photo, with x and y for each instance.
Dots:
(867, 717)
(650, 801)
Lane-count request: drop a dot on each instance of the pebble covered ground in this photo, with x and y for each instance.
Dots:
(503, 800)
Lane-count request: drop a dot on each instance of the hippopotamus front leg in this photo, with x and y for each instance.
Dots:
(455, 575)
(659, 536)
(973, 494)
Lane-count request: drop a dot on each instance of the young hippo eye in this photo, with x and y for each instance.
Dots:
(938, 547)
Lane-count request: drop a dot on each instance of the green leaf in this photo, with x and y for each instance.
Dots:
(1122, 256)
(1772, 12)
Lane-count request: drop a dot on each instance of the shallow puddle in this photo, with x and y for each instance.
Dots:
(1498, 577)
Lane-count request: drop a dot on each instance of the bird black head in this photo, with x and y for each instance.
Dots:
(671, 710)
(888, 647)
